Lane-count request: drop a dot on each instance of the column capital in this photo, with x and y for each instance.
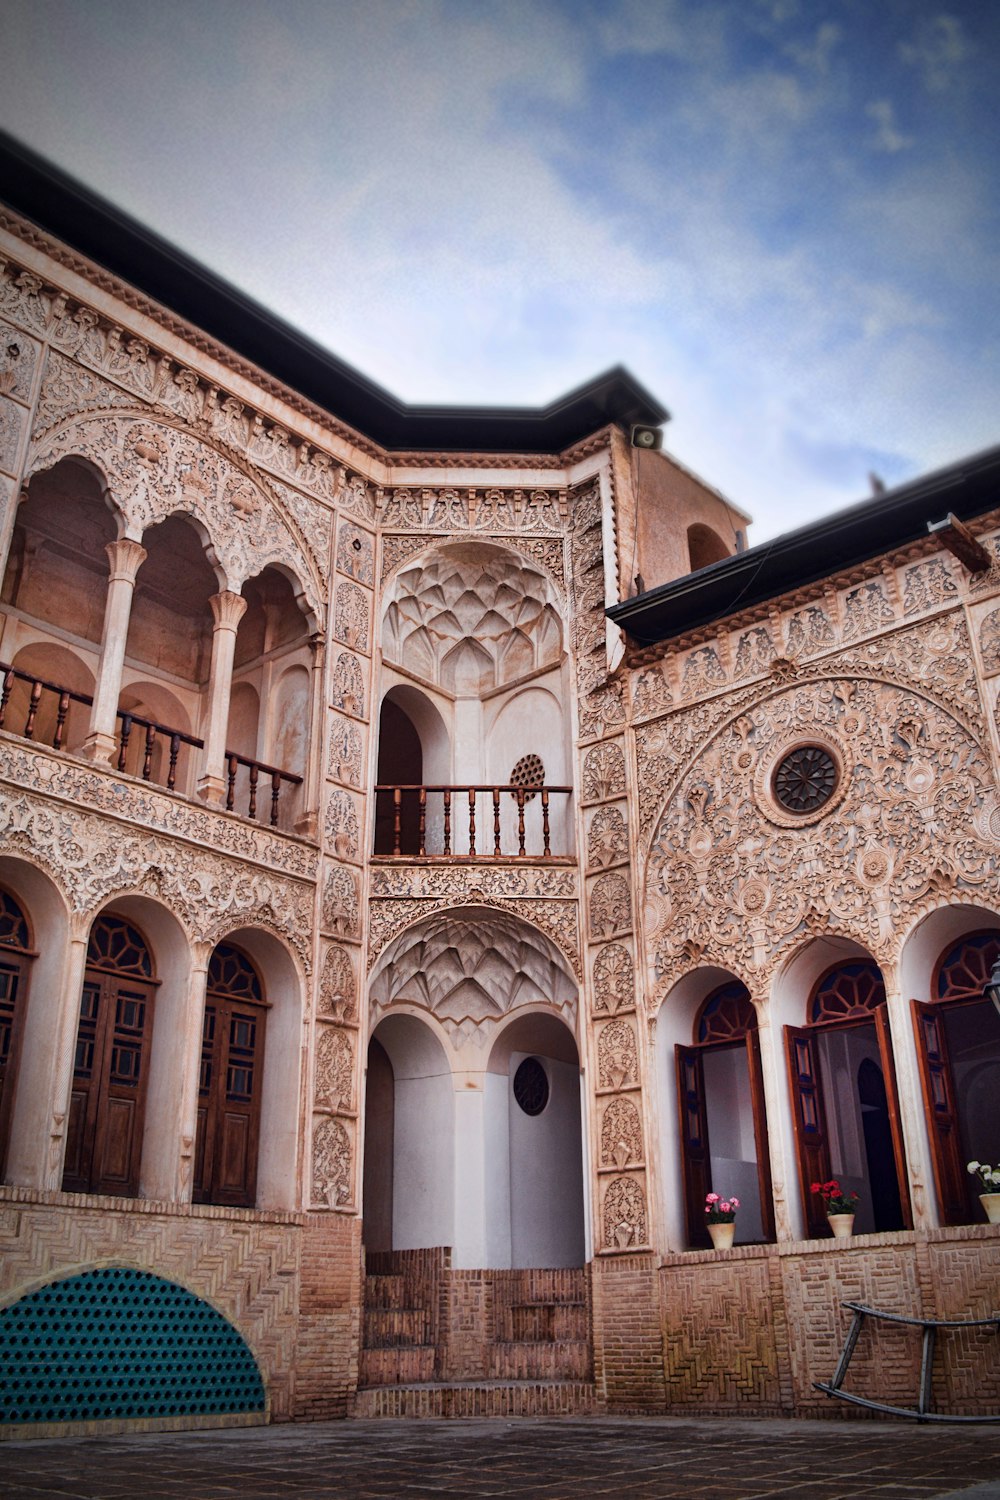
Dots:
(125, 558)
(228, 609)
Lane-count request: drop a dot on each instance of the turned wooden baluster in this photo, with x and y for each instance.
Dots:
(175, 750)
(496, 820)
(60, 720)
(36, 693)
(423, 821)
(397, 818)
(254, 773)
(447, 820)
(231, 764)
(520, 820)
(472, 820)
(123, 742)
(8, 686)
(147, 759)
(275, 794)
(545, 823)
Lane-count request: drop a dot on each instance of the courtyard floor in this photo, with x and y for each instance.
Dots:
(568, 1459)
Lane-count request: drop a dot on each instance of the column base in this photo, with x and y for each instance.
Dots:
(307, 826)
(212, 789)
(100, 747)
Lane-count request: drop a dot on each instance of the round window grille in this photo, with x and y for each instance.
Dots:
(531, 1086)
(805, 779)
(529, 771)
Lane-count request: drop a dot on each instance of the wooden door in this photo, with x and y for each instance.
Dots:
(941, 1113)
(111, 1064)
(229, 1092)
(760, 1134)
(695, 1157)
(895, 1124)
(809, 1115)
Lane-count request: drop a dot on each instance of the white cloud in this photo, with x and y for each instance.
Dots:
(888, 136)
(816, 56)
(937, 50)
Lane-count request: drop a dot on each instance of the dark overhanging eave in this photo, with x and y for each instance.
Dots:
(70, 212)
(813, 552)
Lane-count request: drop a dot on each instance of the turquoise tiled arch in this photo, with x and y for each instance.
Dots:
(121, 1343)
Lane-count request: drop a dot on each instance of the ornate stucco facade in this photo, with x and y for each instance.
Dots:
(228, 615)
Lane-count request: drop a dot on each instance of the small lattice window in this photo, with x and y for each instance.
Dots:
(805, 779)
(531, 1086)
(529, 771)
(848, 992)
(727, 1015)
(13, 924)
(230, 972)
(116, 945)
(966, 966)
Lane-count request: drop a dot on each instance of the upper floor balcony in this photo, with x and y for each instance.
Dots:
(473, 822)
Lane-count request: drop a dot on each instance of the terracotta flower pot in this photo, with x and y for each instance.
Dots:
(841, 1225)
(991, 1206)
(722, 1235)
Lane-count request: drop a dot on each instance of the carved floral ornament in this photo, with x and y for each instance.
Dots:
(94, 861)
(738, 877)
(154, 470)
(468, 969)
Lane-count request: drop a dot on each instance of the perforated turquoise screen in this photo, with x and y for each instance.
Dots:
(121, 1343)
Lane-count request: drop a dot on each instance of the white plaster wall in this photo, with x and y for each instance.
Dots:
(546, 1172)
(423, 1189)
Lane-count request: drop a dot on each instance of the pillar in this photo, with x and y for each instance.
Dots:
(125, 557)
(227, 609)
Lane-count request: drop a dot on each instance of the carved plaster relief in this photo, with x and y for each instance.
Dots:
(617, 1056)
(603, 773)
(333, 1158)
(469, 968)
(463, 883)
(624, 1214)
(334, 1068)
(347, 686)
(607, 838)
(341, 825)
(469, 617)
(352, 619)
(355, 554)
(610, 906)
(557, 919)
(338, 990)
(18, 361)
(340, 904)
(344, 754)
(155, 469)
(614, 980)
(621, 1135)
(915, 804)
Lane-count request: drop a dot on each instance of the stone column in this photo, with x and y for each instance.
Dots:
(307, 822)
(126, 557)
(228, 609)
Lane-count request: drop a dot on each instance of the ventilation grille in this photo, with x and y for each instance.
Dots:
(121, 1343)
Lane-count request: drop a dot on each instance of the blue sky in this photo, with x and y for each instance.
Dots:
(782, 215)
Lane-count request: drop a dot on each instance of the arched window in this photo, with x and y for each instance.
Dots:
(15, 953)
(958, 1045)
(229, 1084)
(111, 1066)
(844, 1099)
(722, 1118)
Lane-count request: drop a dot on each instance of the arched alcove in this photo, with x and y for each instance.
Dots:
(414, 749)
(533, 1146)
(705, 546)
(410, 1142)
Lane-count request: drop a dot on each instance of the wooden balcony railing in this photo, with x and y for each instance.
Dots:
(401, 814)
(154, 735)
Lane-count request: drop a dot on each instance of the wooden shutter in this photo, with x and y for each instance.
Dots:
(941, 1113)
(892, 1099)
(760, 1134)
(811, 1138)
(107, 1104)
(695, 1159)
(229, 1103)
(12, 984)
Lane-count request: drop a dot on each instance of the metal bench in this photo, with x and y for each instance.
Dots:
(921, 1412)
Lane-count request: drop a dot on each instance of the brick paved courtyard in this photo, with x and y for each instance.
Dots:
(568, 1459)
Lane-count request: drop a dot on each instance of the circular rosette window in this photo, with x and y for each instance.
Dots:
(802, 782)
(531, 1086)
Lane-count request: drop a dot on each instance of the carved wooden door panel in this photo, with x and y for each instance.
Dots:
(895, 1125)
(104, 1131)
(760, 1134)
(809, 1115)
(695, 1159)
(229, 1090)
(941, 1113)
(13, 974)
